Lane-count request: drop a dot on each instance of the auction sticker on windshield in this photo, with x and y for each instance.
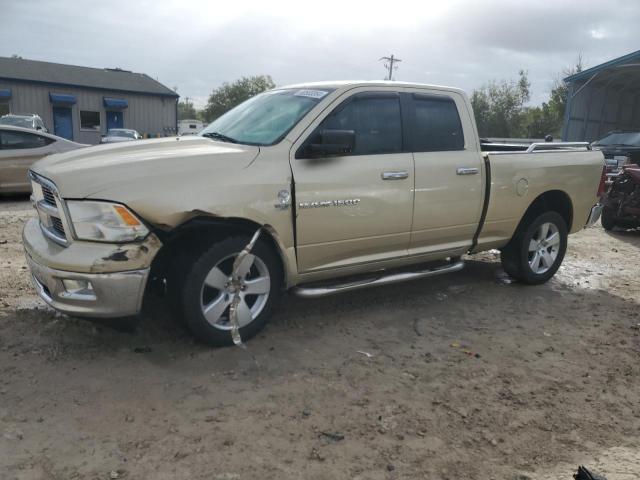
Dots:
(311, 93)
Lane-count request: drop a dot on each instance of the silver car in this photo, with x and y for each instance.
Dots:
(32, 121)
(19, 148)
(116, 135)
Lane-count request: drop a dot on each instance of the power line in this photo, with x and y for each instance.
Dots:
(389, 61)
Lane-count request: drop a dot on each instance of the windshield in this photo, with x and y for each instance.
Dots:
(17, 122)
(621, 138)
(121, 133)
(266, 118)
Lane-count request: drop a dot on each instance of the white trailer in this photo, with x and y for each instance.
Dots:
(189, 126)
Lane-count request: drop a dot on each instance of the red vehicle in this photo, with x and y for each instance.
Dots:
(622, 200)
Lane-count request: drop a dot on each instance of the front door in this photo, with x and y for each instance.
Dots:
(114, 119)
(62, 122)
(355, 208)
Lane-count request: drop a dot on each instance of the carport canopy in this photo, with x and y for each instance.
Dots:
(603, 98)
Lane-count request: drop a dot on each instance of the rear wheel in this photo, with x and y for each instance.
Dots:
(608, 218)
(206, 291)
(536, 251)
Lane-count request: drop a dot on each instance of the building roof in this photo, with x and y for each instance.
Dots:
(630, 59)
(113, 79)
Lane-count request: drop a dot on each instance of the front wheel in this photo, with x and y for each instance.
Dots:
(207, 290)
(536, 251)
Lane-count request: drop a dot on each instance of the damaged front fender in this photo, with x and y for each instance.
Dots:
(133, 256)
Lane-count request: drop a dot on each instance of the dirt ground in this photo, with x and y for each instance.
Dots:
(457, 377)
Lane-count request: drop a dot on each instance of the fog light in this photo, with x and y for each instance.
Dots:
(79, 289)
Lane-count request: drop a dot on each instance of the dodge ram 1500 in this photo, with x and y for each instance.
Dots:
(316, 188)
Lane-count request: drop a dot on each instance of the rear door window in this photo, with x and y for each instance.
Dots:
(375, 119)
(22, 140)
(436, 124)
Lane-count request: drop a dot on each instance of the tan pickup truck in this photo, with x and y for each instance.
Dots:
(317, 188)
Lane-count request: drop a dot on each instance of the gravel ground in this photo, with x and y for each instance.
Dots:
(456, 377)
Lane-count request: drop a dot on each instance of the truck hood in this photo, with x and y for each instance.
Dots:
(87, 171)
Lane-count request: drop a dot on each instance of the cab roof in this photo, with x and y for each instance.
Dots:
(348, 84)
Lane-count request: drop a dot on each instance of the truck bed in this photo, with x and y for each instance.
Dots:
(569, 169)
(488, 146)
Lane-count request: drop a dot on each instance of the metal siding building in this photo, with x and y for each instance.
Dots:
(112, 98)
(603, 98)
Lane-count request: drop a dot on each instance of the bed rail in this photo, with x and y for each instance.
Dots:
(541, 146)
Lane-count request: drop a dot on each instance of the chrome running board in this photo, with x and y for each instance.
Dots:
(382, 279)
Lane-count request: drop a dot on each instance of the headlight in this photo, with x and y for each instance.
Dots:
(105, 222)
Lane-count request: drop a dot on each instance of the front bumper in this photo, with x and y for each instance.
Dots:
(88, 279)
(594, 215)
(107, 295)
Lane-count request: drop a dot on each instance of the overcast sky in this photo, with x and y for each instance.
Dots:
(196, 45)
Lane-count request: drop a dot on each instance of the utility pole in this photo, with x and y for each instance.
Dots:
(389, 61)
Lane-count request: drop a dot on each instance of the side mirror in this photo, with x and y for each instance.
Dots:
(38, 127)
(327, 143)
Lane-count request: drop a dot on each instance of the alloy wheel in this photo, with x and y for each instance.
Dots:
(543, 248)
(252, 283)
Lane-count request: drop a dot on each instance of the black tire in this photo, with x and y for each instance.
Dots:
(190, 290)
(608, 218)
(515, 256)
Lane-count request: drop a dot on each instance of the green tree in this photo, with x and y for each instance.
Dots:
(229, 95)
(542, 121)
(499, 107)
(500, 110)
(186, 110)
(548, 118)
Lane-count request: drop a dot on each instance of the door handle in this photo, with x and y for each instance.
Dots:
(395, 175)
(467, 171)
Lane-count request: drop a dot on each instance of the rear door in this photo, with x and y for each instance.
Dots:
(18, 151)
(356, 208)
(449, 180)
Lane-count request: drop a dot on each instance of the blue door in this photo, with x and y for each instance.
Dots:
(62, 123)
(114, 120)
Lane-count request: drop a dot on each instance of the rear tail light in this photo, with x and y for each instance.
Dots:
(603, 182)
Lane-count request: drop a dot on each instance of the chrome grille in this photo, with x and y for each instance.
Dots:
(51, 209)
(56, 224)
(48, 195)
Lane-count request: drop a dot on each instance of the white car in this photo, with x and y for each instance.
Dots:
(32, 121)
(19, 149)
(116, 135)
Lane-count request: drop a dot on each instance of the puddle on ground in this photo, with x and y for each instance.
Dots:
(582, 274)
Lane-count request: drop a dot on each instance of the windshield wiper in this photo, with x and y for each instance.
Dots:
(220, 136)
